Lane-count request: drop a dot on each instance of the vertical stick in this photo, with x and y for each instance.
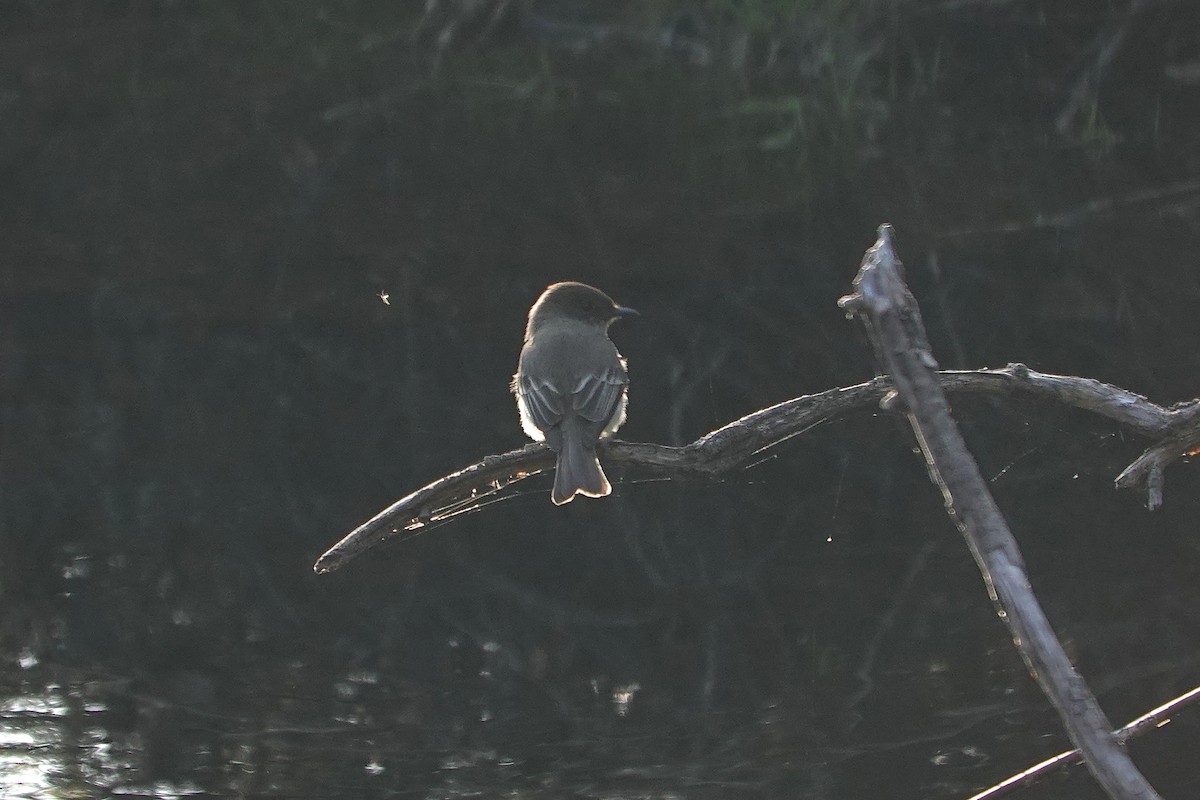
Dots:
(884, 303)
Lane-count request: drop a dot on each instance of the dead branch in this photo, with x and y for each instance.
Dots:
(1154, 718)
(1148, 468)
(889, 311)
(735, 444)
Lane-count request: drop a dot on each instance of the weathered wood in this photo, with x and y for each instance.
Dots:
(734, 445)
(1147, 722)
(883, 302)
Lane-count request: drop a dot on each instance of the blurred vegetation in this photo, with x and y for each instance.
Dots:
(427, 123)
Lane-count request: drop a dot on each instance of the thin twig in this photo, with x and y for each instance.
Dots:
(1183, 193)
(1151, 719)
(1106, 46)
(1148, 468)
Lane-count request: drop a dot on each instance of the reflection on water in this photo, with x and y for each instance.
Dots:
(63, 741)
(733, 660)
(302, 733)
(54, 744)
(28, 741)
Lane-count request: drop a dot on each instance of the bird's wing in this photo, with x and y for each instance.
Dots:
(543, 402)
(596, 397)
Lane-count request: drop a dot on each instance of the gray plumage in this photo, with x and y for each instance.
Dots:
(571, 383)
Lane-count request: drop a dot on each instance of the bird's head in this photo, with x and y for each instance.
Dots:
(578, 302)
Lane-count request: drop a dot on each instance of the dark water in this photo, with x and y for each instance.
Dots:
(201, 389)
(811, 627)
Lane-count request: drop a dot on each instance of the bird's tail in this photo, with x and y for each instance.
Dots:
(578, 471)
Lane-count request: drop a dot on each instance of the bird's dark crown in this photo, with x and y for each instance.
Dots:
(574, 301)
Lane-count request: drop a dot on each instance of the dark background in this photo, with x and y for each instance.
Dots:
(201, 388)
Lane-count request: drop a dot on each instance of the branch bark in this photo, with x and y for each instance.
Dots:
(739, 442)
(889, 311)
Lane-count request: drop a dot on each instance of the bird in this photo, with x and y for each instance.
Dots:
(571, 383)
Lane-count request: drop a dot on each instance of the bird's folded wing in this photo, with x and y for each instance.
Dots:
(595, 398)
(543, 402)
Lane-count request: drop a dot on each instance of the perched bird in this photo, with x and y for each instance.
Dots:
(570, 383)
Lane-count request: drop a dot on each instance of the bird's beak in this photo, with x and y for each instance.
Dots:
(625, 311)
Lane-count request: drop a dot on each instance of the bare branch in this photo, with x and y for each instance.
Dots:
(1183, 439)
(885, 305)
(1151, 719)
(735, 444)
